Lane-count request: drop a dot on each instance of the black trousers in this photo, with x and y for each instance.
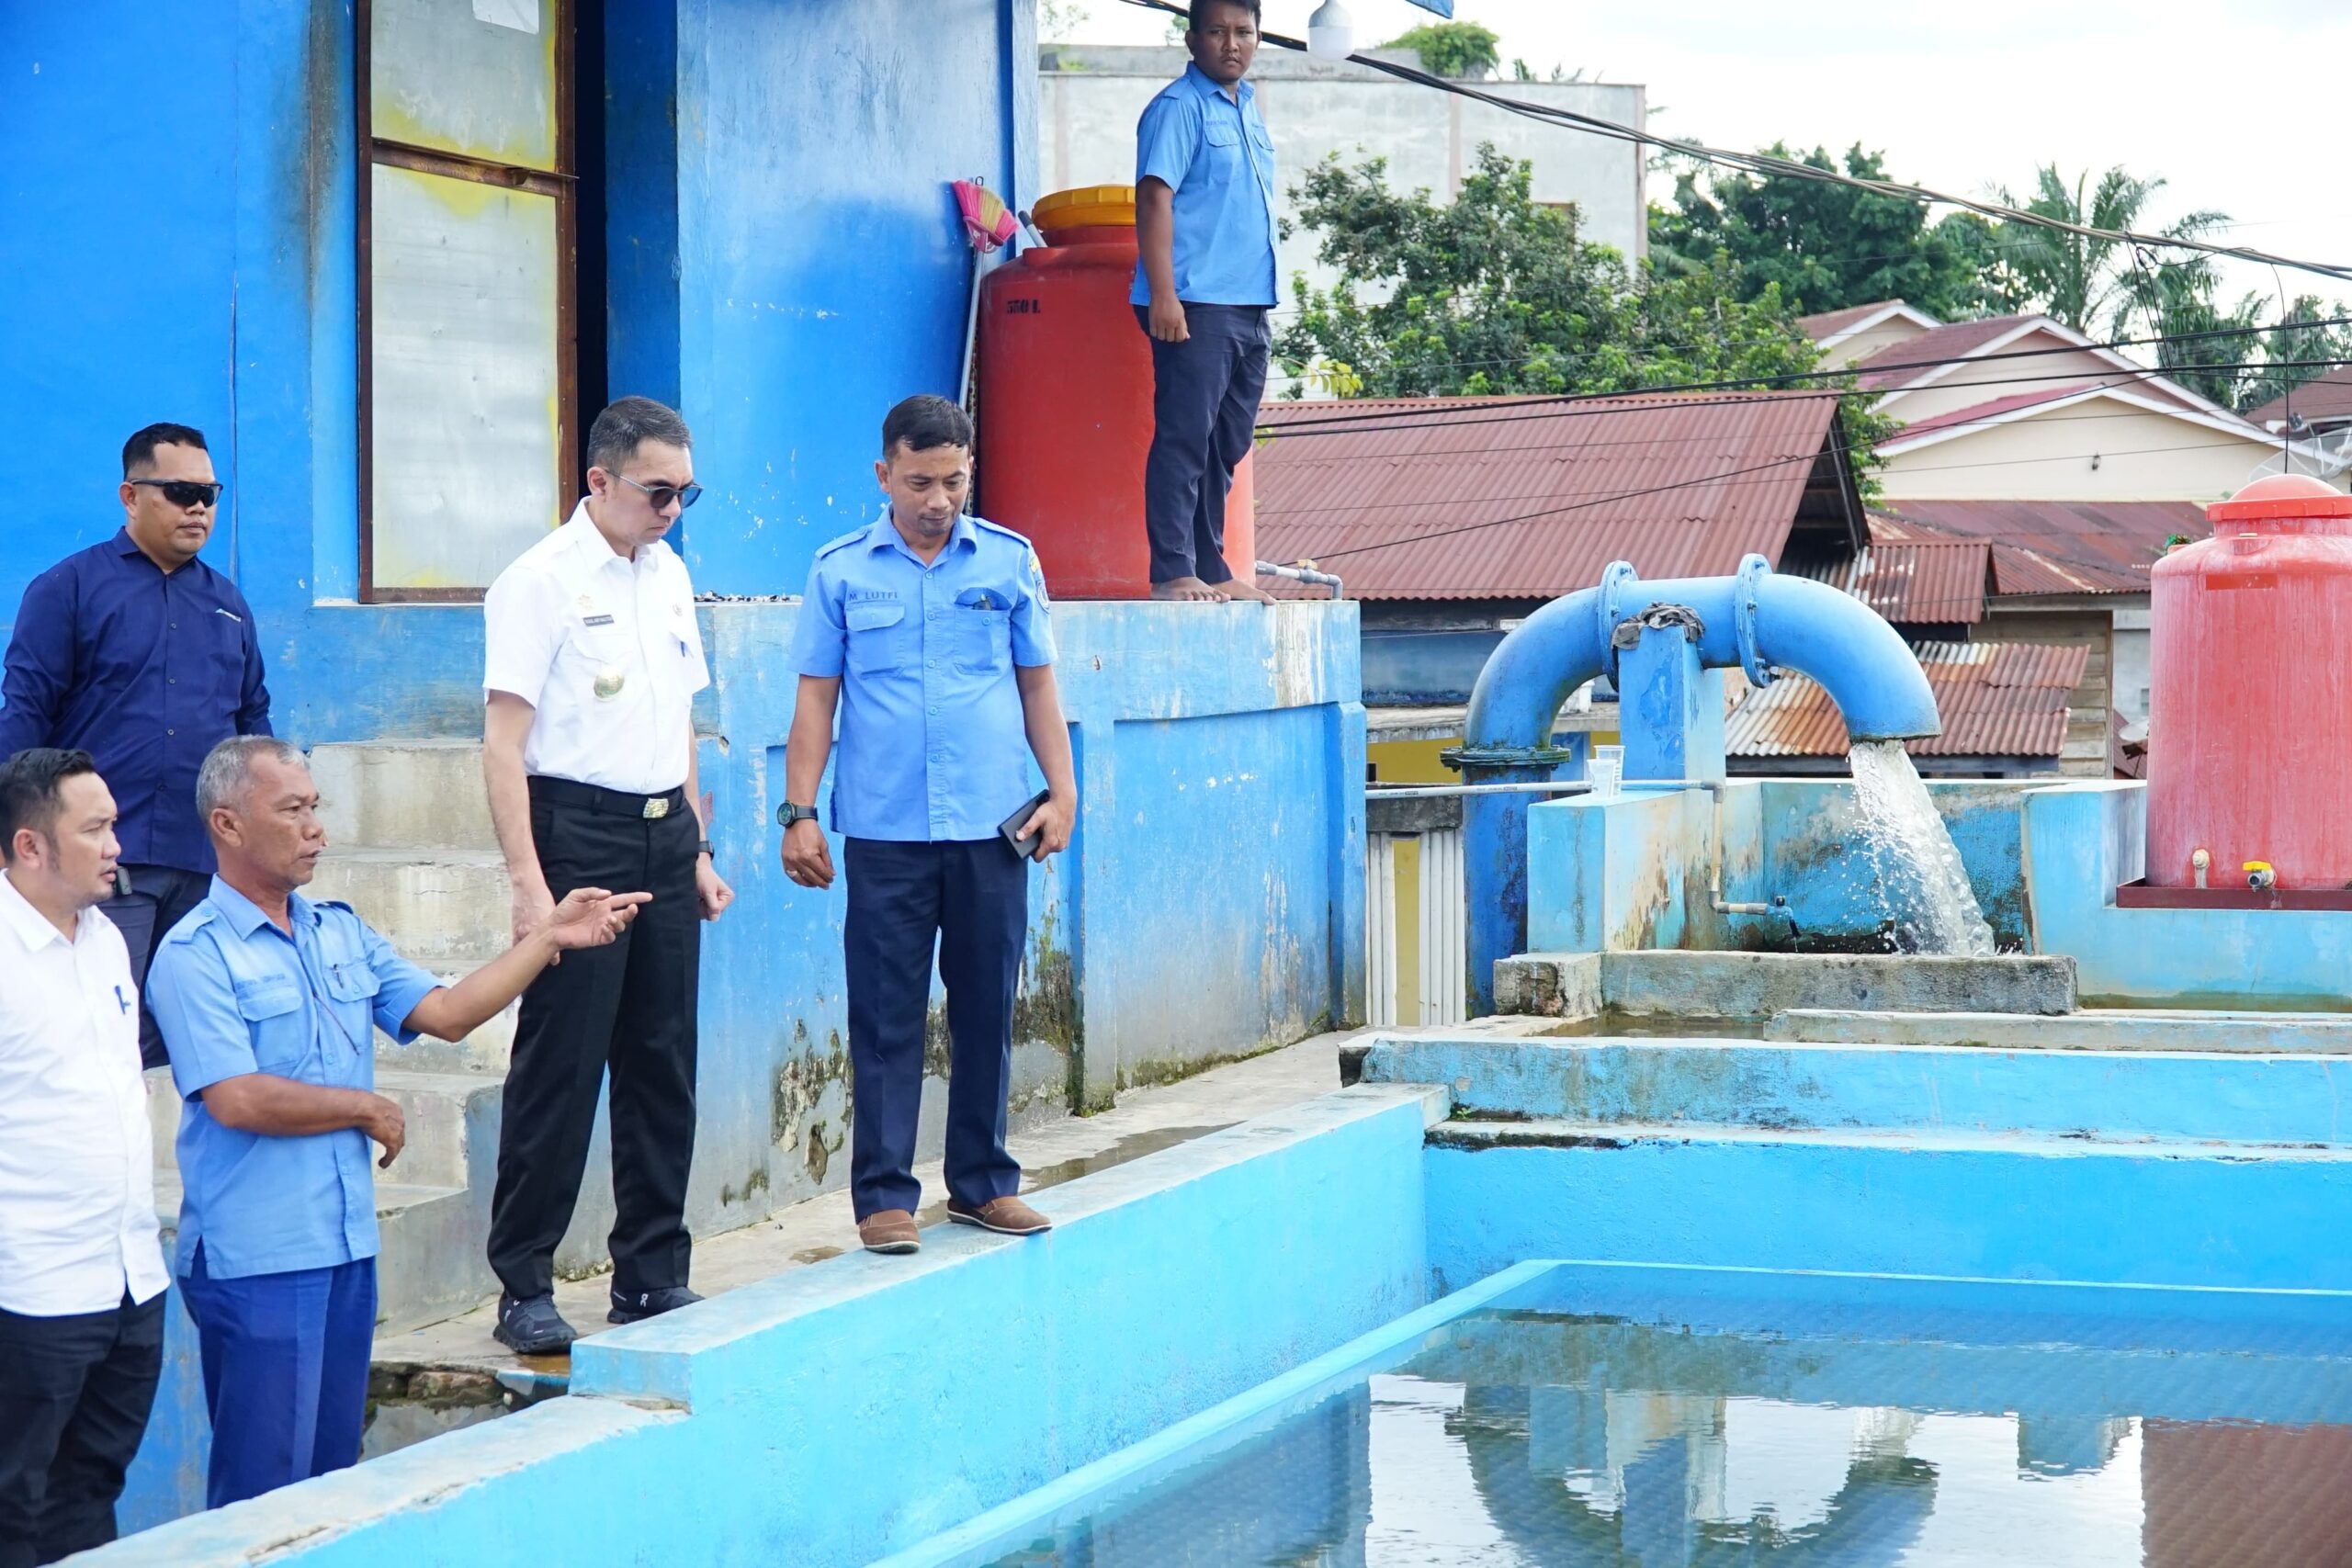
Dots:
(969, 901)
(627, 1009)
(159, 897)
(1205, 412)
(75, 1393)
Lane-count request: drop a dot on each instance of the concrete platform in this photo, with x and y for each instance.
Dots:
(1760, 984)
(470, 1367)
(2326, 1035)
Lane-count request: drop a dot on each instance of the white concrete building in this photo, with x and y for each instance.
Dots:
(1090, 98)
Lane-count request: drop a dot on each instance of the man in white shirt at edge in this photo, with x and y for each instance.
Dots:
(82, 1275)
(592, 660)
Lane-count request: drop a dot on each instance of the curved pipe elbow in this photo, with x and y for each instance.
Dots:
(1534, 671)
(1847, 650)
(1835, 640)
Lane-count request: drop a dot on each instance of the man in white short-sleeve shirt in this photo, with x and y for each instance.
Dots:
(592, 663)
(82, 1275)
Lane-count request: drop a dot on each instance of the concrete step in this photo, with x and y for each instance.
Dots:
(484, 1053)
(445, 908)
(1562, 1133)
(446, 1116)
(422, 796)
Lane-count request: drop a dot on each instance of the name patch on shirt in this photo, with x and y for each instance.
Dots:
(596, 620)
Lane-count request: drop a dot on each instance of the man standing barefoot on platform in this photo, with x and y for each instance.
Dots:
(1204, 221)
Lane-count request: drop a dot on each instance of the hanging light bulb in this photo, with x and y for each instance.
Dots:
(1331, 32)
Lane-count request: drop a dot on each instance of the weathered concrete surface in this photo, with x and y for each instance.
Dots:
(2090, 1030)
(817, 1228)
(1758, 985)
(403, 791)
(780, 1422)
(2083, 840)
(1549, 985)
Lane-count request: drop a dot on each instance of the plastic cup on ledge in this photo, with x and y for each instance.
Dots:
(1607, 770)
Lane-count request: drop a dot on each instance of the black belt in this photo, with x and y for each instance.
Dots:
(596, 797)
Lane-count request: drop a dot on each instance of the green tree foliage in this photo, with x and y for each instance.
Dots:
(2098, 285)
(2301, 341)
(1827, 246)
(1495, 293)
(1460, 50)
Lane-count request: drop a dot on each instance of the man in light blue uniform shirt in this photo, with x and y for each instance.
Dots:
(930, 632)
(1204, 281)
(269, 1003)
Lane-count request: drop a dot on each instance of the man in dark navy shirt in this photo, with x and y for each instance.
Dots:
(139, 654)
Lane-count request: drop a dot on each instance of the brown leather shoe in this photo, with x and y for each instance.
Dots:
(1006, 1216)
(891, 1230)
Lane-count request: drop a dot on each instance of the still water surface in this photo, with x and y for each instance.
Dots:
(1932, 1424)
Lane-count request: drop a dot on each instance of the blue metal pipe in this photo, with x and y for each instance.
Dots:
(1756, 620)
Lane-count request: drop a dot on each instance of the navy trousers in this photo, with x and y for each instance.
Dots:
(1205, 412)
(970, 902)
(285, 1373)
(75, 1393)
(159, 897)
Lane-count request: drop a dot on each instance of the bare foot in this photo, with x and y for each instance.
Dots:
(1235, 588)
(1188, 590)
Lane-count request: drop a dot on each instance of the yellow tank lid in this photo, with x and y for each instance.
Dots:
(1087, 206)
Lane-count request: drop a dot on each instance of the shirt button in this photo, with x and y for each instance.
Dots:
(176, 732)
(175, 625)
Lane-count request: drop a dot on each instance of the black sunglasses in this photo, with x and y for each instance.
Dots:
(185, 493)
(660, 496)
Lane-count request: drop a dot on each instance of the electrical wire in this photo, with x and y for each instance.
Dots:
(1767, 164)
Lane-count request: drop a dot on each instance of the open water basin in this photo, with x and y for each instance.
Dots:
(1833, 1302)
(1574, 1413)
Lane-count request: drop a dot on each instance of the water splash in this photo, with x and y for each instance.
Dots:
(1918, 872)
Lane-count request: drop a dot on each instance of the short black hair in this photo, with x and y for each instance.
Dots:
(1192, 13)
(629, 424)
(138, 452)
(33, 791)
(925, 422)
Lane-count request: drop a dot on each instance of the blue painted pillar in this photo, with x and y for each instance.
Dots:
(1671, 708)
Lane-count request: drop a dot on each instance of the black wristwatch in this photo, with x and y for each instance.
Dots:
(787, 813)
(704, 849)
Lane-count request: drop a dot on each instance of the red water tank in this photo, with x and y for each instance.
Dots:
(2250, 701)
(1064, 403)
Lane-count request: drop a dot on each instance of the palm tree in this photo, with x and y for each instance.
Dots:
(2093, 284)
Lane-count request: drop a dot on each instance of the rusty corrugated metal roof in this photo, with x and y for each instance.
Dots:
(2054, 546)
(1996, 699)
(2329, 397)
(1475, 498)
(1915, 580)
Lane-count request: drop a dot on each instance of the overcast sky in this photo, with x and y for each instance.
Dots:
(1962, 96)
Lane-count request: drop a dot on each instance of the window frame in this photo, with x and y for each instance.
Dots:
(561, 185)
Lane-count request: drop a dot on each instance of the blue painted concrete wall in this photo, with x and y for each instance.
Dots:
(2085, 840)
(1633, 873)
(784, 265)
(858, 1406)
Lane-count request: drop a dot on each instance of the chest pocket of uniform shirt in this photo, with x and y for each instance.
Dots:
(280, 1040)
(1224, 138)
(983, 632)
(876, 635)
(224, 644)
(352, 988)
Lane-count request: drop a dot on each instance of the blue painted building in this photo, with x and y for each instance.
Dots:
(392, 255)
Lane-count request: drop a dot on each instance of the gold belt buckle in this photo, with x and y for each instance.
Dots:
(657, 807)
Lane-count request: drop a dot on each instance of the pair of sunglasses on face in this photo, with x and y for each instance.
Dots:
(658, 497)
(186, 494)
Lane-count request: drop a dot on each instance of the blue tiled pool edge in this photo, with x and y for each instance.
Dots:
(1003, 1527)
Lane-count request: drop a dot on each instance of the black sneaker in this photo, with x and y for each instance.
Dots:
(531, 1326)
(634, 1306)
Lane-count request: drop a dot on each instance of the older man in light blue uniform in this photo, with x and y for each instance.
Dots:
(1204, 281)
(930, 631)
(269, 1003)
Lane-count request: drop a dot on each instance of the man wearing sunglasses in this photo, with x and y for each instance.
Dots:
(139, 653)
(592, 662)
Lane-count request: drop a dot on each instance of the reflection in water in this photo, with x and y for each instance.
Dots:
(1785, 1432)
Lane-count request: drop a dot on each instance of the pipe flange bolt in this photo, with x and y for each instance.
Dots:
(1747, 589)
(1464, 757)
(1617, 586)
